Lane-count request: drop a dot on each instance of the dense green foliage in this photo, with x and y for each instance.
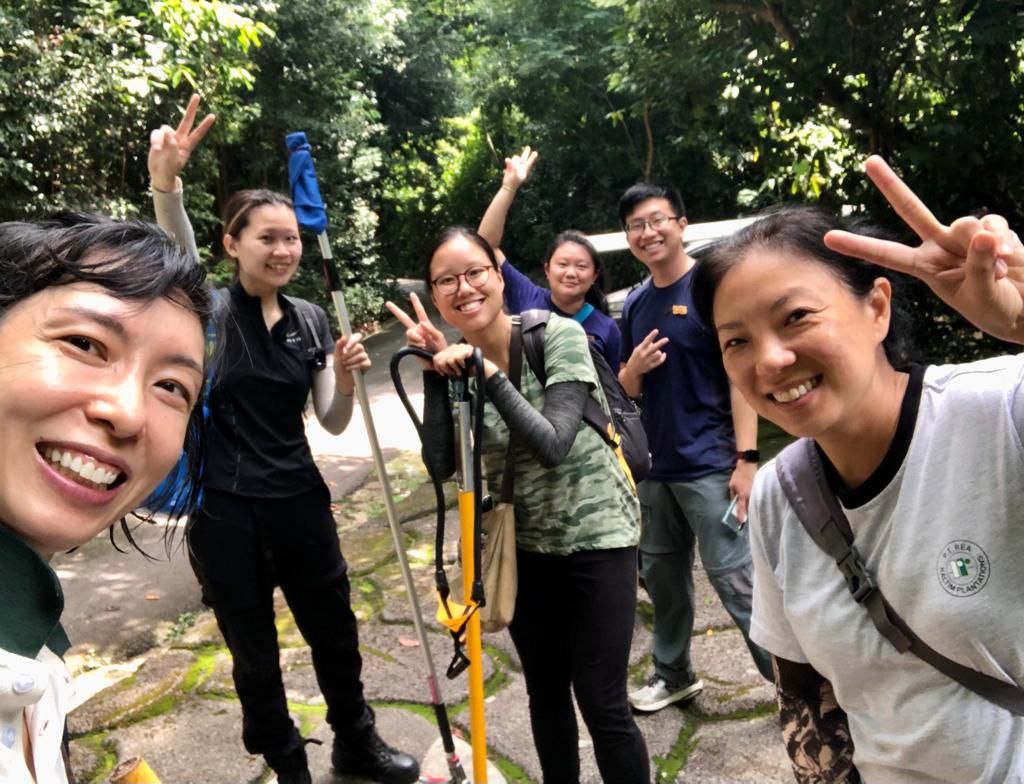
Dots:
(411, 107)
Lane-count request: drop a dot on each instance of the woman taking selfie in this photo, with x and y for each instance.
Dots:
(101, 371)
(925, 464)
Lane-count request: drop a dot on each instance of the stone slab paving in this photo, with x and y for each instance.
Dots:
(179, 710)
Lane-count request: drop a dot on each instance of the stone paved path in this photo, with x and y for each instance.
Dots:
(160, 679)
(179, 710)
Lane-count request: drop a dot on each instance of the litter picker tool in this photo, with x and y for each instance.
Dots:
(461, 620)
(312, 214)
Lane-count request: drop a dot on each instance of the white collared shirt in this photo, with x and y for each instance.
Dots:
(35, 693)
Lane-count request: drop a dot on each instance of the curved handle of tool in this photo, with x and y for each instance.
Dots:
(440, 578)
(396, 379)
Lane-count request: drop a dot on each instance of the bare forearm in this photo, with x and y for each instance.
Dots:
(632, 382)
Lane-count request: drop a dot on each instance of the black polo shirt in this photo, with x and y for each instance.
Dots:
(256, 435)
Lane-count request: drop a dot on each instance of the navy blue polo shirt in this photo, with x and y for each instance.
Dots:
(256, 435)
(687, 411)
(521, 294)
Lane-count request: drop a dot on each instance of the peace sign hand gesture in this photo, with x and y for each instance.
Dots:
(518, 168)
(420, 333)
(975, 266)
(170, 149)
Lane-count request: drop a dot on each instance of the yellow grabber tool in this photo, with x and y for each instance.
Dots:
(133, 770)
(461, 620)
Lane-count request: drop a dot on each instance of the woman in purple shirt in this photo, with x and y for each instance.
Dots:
(571, 266)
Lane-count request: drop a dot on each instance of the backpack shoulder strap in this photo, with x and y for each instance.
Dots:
(534, 323)
(534, 326)
(802, 477)
(307, 317)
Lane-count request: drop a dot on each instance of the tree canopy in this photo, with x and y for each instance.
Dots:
(411, 107)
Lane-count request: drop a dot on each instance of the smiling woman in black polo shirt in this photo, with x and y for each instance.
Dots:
(266, 517)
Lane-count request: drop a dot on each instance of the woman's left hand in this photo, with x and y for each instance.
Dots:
(974, 265)
(349, 354)
(452, 361)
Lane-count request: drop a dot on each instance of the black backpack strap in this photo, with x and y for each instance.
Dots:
(802, 476)
(534, 324)
(311, 342)
(515, 375)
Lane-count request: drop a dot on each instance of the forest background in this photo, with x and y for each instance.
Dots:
(411, 105)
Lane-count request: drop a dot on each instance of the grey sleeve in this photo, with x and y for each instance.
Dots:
(169, 208)
(547, 434)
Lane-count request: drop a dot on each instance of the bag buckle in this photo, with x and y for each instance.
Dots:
(858, 581)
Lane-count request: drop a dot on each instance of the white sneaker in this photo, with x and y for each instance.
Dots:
(659, 693)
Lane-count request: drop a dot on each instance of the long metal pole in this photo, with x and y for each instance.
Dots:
(378, 458)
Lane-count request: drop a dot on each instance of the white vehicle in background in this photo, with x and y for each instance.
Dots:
(698, 235)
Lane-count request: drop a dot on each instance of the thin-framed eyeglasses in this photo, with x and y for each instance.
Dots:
(656, 221)
(475, 277)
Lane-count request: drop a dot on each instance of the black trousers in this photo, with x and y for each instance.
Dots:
(240, 548)
(572, 628)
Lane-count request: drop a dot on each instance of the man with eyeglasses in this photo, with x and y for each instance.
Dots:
(703, 439)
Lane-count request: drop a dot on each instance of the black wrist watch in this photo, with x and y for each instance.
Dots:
(748, 456)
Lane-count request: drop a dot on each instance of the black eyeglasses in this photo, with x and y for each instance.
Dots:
(656, 221)
(449, 284)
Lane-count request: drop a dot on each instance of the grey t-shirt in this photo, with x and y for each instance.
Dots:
(944, 539)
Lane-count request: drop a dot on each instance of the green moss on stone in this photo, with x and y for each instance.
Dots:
(667, 768)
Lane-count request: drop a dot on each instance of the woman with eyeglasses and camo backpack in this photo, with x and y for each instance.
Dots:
(576, 515)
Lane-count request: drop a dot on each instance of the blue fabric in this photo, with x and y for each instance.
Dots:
(687, 411)
(309, 206)
(583, 313)
(521, 294)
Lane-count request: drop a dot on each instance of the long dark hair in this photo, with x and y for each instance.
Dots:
(595, 294)
(801, 230)
(130, 260)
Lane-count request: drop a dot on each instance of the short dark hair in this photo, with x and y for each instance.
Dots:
(449, 234)
(802, 231)
(595, 294)
(643, 191)
(131, 260)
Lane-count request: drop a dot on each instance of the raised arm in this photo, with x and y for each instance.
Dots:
(169, 152)
(974, 265)
(492, 224)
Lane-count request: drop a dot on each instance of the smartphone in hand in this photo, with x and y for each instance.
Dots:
(730, 520)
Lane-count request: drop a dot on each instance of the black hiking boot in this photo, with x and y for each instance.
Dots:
(362, 752)
(290, 767)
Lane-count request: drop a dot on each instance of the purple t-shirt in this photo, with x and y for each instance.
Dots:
(687, 411)
(521, 294)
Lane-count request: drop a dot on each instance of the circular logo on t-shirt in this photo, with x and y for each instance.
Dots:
(963, 568)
